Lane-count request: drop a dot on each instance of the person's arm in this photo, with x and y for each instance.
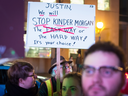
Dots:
(43, 90)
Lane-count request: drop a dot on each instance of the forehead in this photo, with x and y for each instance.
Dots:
(100, 58)
(70, 82)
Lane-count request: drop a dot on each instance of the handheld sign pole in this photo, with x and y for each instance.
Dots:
(58, 69)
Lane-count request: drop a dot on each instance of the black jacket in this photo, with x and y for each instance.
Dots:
(78, 60)
(14, 90)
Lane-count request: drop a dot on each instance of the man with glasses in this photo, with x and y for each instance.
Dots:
(103, 70)
(49, 87)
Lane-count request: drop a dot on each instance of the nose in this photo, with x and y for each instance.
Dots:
(68, 92)
(97, 77)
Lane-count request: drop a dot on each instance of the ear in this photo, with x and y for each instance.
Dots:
(125, 83)
(20, 80)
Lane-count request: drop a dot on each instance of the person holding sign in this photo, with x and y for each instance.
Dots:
(103, 70)
(49, 87)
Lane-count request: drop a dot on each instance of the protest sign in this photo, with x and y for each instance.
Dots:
(60, 25)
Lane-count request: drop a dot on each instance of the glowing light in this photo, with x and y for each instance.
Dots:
(99, 25)
(126, 75)
(103, 4)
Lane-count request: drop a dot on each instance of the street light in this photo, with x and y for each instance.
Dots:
(100, 25)
(99, 28)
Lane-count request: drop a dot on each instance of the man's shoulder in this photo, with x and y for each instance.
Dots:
(44, 87)
(52, 79)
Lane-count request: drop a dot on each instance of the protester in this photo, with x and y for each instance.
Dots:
(104, 70)
(22, 80)
(72, 85)
(78, 62)
(49, 87)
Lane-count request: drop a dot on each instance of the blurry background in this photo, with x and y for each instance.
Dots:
(112, 13)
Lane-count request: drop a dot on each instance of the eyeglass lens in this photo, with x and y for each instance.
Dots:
(105, 71)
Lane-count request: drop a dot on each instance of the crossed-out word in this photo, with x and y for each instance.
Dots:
(54, 29)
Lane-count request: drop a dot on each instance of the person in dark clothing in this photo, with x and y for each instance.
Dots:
(49, 87)
(14, 90)
(78, 62)
(22, 80)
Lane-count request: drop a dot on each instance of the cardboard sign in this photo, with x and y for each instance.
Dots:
(60, 25)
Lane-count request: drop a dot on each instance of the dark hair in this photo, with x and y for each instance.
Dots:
(108, 47)
(19, 69)
(74, 75)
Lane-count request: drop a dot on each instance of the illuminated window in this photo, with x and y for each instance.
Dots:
(77, 1)
(36, 52)
(50, 1)
(73, 52)
(104, 5)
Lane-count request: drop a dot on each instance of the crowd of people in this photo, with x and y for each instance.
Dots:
(102, 74)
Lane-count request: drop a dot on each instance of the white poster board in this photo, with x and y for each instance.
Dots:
(60, 25)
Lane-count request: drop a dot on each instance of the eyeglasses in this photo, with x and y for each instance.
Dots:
(65, 67)
(105, 71)
(33, 75)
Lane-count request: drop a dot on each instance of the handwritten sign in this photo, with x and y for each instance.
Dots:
(60, 25)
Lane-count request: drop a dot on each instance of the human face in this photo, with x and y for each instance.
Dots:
(30, 81)
(65, 69)
(97, 85)
(71, 87)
